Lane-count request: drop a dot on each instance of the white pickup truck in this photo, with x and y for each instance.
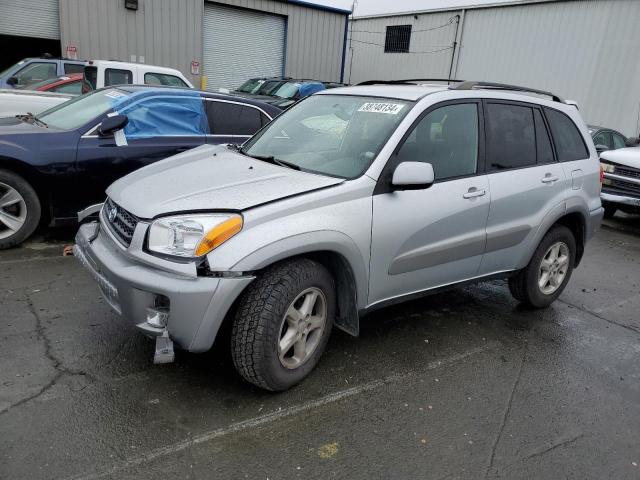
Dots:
(104, 73)
(621, 182)
(19, 102)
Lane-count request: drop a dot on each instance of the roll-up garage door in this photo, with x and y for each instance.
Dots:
(24, 18)
(239, 44)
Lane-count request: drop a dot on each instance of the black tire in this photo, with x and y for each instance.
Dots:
(257, 325)
(524, 285)
(609, 210)
(33, 209)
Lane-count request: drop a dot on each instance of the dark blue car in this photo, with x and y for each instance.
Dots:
(58, 162)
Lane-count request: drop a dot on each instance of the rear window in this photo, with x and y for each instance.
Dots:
(566, 137)
(152, 78)
(113, 76)
(73, 68)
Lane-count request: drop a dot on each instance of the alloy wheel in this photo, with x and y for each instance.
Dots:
(302, 328)
(13, 211)
(553, 268)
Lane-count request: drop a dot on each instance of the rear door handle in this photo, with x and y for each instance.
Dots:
(548, 178)
(474, 192)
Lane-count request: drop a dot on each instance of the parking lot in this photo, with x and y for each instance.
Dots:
(463, 384)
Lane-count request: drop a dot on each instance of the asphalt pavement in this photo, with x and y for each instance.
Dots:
(460, 385)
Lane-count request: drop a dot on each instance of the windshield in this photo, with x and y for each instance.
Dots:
(288, 90)
(268, 87)
(80, 110)
(335, 135)
(250, 86)
(7, 70)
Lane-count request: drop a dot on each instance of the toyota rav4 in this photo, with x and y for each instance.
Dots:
(353, 199)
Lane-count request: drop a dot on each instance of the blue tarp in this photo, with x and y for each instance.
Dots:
(307, 89)
(162, 113)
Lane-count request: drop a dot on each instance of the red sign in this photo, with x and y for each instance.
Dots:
(195, 67)
(72, 52)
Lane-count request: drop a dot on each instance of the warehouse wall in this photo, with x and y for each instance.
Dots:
(431, 47)
(583, 50)
(164, 32)
(169, 33)
(315, 38)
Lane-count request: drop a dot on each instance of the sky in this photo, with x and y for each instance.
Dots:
(374, 7)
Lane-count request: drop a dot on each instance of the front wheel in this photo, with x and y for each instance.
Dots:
(548, 272)
(283, 323)
(19, 209)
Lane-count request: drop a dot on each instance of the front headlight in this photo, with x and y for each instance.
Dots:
(192, 236)
(607, 167)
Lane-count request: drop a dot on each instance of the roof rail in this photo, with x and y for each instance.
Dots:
(408, 81)
(470, 85)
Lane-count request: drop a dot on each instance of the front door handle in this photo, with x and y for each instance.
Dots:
(473, 192)
(548, 178)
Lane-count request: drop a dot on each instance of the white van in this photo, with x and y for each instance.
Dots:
(103, 73)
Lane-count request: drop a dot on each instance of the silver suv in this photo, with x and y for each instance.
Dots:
(354, 199)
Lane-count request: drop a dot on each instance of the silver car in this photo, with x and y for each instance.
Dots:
(354, 199)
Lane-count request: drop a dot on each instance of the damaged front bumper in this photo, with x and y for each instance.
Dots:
(185, 310)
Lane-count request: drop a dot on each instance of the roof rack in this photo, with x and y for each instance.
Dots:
(470, 85)
(408, 81)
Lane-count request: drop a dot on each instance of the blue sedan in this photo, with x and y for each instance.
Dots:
(60, 161)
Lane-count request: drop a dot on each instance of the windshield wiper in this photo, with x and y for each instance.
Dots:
(31, 118)
(271, 159)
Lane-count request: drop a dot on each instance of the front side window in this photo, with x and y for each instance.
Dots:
(566, 136)
(77, 112)
(397, 39)
(511, 139)
(113, 76)
(151, 78)
(337, 135)
(447, 138)
(36, 72)
(618, 141)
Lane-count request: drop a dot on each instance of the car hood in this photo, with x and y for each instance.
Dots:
(13, 125)
(629, 157)
(210, 178)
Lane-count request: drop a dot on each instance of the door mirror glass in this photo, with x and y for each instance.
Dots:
(413, 176)
(12, 81)
(110, 125)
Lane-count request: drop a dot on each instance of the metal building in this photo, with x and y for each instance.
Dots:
(583, 50)
(227, 41)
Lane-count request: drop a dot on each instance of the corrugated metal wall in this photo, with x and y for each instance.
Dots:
(430, 49)
(314, 38)
(163, 32)
(584, 50)
(29, 18)
(169, 33)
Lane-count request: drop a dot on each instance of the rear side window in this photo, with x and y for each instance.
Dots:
(113, 76)
(566, 137)
(152, 78)
(543, 142)
(73, 68)
(233, 119)
(90, 78)
(511, 139)
(447, 138)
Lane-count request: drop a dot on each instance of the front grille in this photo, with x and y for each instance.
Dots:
(627, 171)
(121, 223)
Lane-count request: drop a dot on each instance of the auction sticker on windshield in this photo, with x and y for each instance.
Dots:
(390, 108)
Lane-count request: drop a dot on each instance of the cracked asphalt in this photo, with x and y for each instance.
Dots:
(463, 384)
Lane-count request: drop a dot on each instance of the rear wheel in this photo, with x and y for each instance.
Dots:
(548, 272)
(283, 323)
(19, 209)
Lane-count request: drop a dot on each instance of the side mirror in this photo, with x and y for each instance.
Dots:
(413, 176)
(13, 81)
(110, 125)
(632, 142)
(602, 148)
